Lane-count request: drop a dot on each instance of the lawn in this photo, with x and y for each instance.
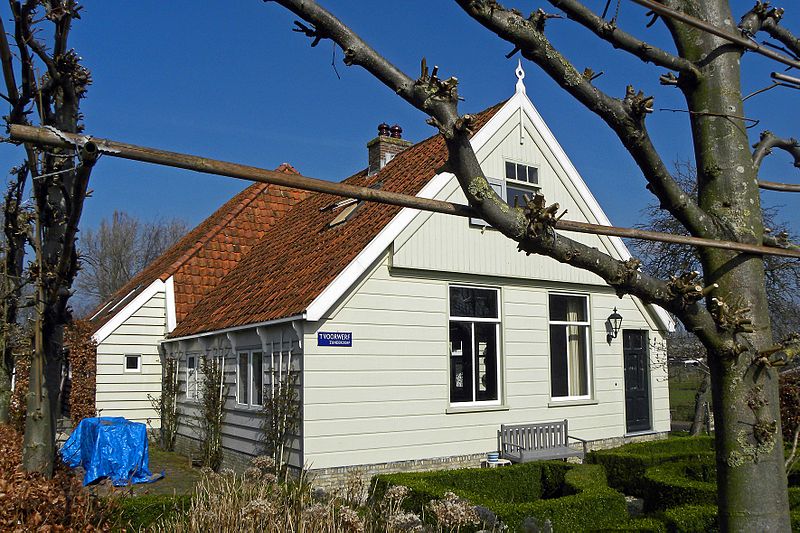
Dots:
(683, 384)
(179, 478)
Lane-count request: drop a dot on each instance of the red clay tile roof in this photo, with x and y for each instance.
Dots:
(297, 259)
(207, 253)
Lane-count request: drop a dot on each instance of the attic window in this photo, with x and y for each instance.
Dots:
(346, 207)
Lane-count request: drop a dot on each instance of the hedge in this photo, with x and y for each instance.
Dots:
(703, 518)
(672, 484)
(625, 466)
(140, 513)
(572, 497)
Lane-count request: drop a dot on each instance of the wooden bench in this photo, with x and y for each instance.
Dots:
(521, 443)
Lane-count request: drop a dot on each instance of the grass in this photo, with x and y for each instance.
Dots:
(683, 385)
(180, 478)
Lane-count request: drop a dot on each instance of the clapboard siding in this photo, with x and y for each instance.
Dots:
(121, 393)
(242, 425)
(446, 243)
(386, 397)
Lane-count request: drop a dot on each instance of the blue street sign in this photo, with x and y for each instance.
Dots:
(334, 338)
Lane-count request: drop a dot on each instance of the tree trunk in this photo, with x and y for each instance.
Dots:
(38, 450)
(700, 403)
(745, 396)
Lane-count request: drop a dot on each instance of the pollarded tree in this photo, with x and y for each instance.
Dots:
(730, 314)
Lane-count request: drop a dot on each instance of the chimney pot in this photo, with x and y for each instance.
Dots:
(385, 146)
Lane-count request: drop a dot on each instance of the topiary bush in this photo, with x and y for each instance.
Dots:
(625, 466)
(677, 483)
(572, 497)
(703, 518)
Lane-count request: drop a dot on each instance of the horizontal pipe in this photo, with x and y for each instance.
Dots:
(719, 32)
(50, 137)
(776, 186)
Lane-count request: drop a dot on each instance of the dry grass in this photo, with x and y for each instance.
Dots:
(256, 501)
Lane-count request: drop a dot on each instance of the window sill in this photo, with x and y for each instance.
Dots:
(475, 409)
(570, 403)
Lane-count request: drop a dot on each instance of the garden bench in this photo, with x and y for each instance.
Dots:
(522, 443)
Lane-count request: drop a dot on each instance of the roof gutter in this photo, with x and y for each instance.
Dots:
(292, 318)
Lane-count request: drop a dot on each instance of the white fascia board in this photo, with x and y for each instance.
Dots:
(126, 312)
(521, 100)
(235, 328)
(347, 277)
(169, 286)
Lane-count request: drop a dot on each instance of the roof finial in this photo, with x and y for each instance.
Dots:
(520, 76)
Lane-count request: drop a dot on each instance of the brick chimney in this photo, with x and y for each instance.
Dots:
(385, 146)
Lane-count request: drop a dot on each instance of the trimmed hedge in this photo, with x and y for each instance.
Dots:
(572, 497)
(625, 466)
(703, 518)
(679, 483)
(140, 513)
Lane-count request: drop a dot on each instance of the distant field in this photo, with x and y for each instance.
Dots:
(683, 384)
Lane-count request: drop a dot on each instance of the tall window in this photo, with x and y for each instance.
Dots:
(569, 346)
(474, 345)
(250, 379)
(192, 365)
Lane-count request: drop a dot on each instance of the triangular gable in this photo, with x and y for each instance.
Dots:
(445, 184)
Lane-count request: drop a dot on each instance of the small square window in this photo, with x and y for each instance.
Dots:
(133, 362)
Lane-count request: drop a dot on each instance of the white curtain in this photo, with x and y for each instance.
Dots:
(576, 347)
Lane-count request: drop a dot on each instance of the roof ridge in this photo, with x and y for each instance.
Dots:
(257, 188)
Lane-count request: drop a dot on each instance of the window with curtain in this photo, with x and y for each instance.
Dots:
(474, 345)
(250, 379)
(242, 379)
(570, 367)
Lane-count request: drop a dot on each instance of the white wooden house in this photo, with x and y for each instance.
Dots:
(415, 335)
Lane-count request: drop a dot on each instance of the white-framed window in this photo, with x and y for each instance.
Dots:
(192, 376)
(474, 345)
(520, 180)
(570, 341)
(132, 362)
(250, 379)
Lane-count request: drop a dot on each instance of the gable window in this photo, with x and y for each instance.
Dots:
(570, 368)
(250, 379)
(133, 362)
(519, 180)
(192, 367)
(474, 345)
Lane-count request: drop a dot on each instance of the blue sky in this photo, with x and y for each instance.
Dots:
(229, 80)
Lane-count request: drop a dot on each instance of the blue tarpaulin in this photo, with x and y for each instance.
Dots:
(109, 447)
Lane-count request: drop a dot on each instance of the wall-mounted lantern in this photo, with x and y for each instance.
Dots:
(615, 319)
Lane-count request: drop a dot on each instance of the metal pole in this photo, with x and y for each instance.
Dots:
(49, 137)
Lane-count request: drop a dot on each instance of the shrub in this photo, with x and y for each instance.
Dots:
(703, 518)
(625, 466)
(30, 502)
(790, 403)
(140, 513)
(571, 497)
(677, 483)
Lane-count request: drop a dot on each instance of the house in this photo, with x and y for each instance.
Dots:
(129, 327)
(414, 335)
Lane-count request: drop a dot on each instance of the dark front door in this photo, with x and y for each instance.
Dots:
(637, 380)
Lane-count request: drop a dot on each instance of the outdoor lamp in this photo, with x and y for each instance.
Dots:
(615, 319)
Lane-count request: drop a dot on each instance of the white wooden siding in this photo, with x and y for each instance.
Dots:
(241, 425)
(121, 393)
(386, 398)
(446, 243)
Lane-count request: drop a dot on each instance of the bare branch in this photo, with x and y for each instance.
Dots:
(719, 32)
(532, 227)
(776, 186)
(618, 38)
(768, 142)
(764, 18)
(625, 117)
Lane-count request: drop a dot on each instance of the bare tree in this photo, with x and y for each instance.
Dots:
(729, 311)
(51, 85)
(120, 248)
